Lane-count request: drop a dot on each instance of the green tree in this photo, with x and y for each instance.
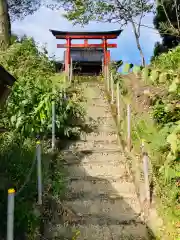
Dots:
(5, 26)
(113, 11)
(18, 9)
(166, 21)
(11, 10)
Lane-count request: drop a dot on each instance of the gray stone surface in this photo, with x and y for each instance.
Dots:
(101, 195)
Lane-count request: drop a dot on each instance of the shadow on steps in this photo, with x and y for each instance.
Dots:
(100, 201)
(93, 207)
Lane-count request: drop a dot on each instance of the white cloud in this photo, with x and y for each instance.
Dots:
(38, 26)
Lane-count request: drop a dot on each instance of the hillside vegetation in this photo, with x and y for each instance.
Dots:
(154, 98)
(27, 114)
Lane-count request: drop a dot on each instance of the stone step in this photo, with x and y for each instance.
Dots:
(96, 170)
(98, 112)
(111, 197)
(119, 210)
(84, 156)
(99, 109)
(96, 158)
(83, 145)
(108, 128)
(100, 136)
(94, 141)
(84, 162)
(91, 151)
(106, 122)
(94, 180)
(97, 98)
(91, 142)
(106, 117)
(120, 186)
(106, 114)
(132, 231)
(98, 105)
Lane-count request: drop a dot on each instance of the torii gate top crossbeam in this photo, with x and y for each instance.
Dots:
(86, 35)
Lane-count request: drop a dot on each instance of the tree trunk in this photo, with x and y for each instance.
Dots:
(5, 26)
(143, 63)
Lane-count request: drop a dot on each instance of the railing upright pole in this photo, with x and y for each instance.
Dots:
(71, 71)
(112, 89)
(129, 127)
(118, 101)
(108, 77)
(146, 176)
(53, 125)
(10, 214)
(39, 171)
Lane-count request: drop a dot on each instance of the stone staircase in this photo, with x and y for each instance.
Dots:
(101, 201)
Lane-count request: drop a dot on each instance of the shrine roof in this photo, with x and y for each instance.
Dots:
(86, 35)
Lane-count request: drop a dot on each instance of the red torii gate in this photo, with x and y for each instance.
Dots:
(104, 36)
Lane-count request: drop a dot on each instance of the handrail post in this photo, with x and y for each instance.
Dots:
(71, 71)
(112, 89)
(118, 102)
(10, 214)
(146, 176)
(129, 127)
(108, 78)
(39, 171)
(53, 125)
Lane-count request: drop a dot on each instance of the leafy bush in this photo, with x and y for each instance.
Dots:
(28, 112)
(160, 128)
(15, 161)
(29, 107)
(168, 61)
(166, 113)
(167, 110)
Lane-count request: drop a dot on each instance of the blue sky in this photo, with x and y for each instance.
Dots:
(38, 25)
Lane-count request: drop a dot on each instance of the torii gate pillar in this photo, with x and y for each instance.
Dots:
(68, 55)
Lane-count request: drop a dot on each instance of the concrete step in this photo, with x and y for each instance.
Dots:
(120, 187)
(99, 105)
(133, 231)
(96, 170)
(94, 141)
(119, 210)
(91, 151)
(101, 195)
(106, 128)
(100, 136)
(109, 179)
(97, 157)
(84, 162)
(98, 113)
(83, 145)
(99, 109)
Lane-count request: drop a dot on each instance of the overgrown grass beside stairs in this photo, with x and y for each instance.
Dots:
(26, 114)
(155, 118)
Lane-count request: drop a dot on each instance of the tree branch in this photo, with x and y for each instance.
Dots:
(140, 20)
(177, 16)
(168, 19)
